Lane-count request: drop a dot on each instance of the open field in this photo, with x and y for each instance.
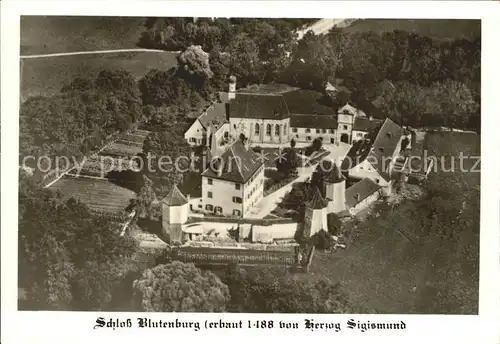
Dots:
(61, 34)
(443, 29)
(385, 272)
(98, 194)
(46, 76)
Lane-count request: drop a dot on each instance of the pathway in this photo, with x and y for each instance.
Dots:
(114, 51)
(322, 26)
(73, 167)
(269, 202)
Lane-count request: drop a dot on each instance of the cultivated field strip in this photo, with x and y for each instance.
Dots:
(90, 184)
(99, 195)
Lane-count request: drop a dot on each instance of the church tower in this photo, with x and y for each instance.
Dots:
(175, 210)
(315, 216)
(345, 120)
(335, 190)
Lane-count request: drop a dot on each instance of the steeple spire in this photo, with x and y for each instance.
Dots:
(317, 201)
(335, 175)
(175, 198)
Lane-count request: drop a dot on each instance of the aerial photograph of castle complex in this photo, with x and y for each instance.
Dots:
(249, 165)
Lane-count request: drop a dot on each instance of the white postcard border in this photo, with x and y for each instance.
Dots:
(27, 327)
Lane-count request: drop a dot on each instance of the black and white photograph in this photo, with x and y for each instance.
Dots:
(249, 172)
(250, 165)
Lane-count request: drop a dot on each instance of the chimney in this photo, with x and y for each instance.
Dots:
(232, 87)
(209, 133)
(213, 145)
(370, 118)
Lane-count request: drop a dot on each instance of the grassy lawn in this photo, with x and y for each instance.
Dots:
(444, 29)
(62, 34)
(46, 76)
(385, 272)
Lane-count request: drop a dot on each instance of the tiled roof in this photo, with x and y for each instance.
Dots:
(348, 108)
(238, 164)
(267, 89)
(214, 116)
(360, 191)
(175, 198)
(258, 106)
(384, 145)
(379, 145)
(308, 102)
(365, 124)
(313, 121)
(317, 201)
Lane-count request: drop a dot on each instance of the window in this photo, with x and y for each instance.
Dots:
(234, 125)
(236, 212)
(209, 207)
(285, 130)
(332, 131)
(200, 206)
(308, 138)
(317, 131)
(237, 186)
(210, 181)
(237, 200)
(210, 195)
(192, 140)
(377, 180)
(257, 129)
(268, 130)
(323, 131)
(226, 134)
(308, 130)
(277, 129)
(294, 130)
(345, 127)
(360, 134)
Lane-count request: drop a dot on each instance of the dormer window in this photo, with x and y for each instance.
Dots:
(381, 149)
(389, 135)
(358, 197)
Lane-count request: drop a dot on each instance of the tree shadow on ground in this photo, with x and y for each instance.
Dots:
(127, 179)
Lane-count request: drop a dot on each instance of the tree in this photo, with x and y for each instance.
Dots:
(322, 240)
(145, 198)
(270, 290)
(455, 101)
(81, 117)
(179, 287)
(69, 258)
(195, 62)
(219, 63)
(287, 162)
(245, 63)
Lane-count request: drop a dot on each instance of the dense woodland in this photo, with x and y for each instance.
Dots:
(70, 258)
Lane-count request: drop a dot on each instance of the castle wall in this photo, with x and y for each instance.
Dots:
(335, 193)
